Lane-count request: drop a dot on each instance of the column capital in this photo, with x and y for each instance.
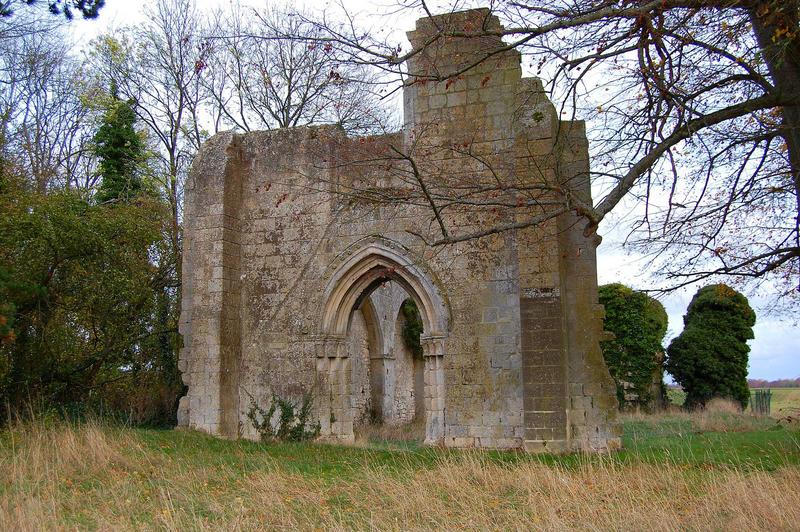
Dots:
(432, 345)
(331, 346)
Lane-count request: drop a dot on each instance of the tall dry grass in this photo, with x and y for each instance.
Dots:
(470, 493)
(91, 476)
(719, 415)
(40, 464)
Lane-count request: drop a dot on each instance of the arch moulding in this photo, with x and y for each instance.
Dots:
(373, 263)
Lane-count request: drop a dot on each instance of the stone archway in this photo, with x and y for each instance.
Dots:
(347, 289)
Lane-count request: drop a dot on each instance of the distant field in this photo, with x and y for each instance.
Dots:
(783, 399)
(676, 397)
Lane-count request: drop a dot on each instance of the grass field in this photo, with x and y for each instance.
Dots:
(699, 471)
(784, 400)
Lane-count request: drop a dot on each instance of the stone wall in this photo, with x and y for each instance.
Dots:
(282, 262)
(359, 353)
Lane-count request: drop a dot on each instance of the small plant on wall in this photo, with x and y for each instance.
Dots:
(283, 420)
(412, 327)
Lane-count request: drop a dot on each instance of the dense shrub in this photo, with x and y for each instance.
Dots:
(82, 299)
(709, 358)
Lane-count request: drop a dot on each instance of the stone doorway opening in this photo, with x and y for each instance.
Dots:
(388, 367)
(358, 349)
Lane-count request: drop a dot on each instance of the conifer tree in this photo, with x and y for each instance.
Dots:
(121, 152)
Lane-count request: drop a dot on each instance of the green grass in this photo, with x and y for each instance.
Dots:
(664, 439)
(676, 440)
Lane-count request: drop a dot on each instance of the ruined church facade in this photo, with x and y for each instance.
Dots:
(293, 284)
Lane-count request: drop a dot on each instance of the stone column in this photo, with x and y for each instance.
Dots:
(433, 353)
(377, 380)
(334, 383)
(389, 388)
(593, 403)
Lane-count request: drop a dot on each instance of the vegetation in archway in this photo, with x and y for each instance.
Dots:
(412, 327)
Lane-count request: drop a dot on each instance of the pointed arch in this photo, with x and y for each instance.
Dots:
(371, 266)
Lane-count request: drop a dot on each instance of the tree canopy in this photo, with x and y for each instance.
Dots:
(88, 295)
(709, 358)
(80, 282)
(87, 8)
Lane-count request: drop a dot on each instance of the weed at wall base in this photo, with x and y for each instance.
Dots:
(282, 421)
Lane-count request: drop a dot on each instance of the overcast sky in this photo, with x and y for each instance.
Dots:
(776, 349)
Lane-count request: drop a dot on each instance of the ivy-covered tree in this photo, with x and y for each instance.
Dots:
(120, 150)
(635, 355)
(709, 358)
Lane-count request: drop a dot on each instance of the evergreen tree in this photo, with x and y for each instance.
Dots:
(635, 355)
(709, 358)
(121, 152)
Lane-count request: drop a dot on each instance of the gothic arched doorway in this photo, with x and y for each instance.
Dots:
(352, 347)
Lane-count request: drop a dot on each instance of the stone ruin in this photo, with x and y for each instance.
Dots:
(292, 285)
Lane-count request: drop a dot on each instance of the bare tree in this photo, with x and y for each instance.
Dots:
(47, 126)
(693, 115)
(258, 79)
